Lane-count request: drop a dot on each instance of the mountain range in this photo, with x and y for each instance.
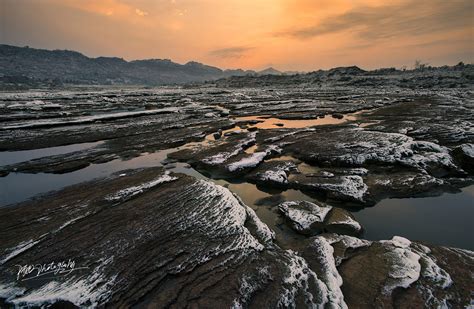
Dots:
(26, 68)
(30, 65)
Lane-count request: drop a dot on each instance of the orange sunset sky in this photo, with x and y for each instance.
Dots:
(250, 34)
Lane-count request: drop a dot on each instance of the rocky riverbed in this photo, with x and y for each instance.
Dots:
(242, 197)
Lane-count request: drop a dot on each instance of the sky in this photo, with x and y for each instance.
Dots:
(291, 35)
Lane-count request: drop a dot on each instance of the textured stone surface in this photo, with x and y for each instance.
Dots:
(394, 273)
(152, 239)
(157, 238)
(310, 218)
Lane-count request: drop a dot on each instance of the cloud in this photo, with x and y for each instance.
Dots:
(140, 12)
(438, 43)
(104, 7)
(408, 18)
(230, 52)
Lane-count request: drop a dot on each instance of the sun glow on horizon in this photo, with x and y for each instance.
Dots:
(249, 34)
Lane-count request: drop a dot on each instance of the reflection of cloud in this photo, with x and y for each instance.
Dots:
(230, 52)
(411, 17)
(140, 12)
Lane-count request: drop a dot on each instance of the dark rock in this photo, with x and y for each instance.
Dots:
(349, 188)
(304, 217)
(342, 222)
(170, 166)
(63, 305)
(150, 106)
(272, 173)
(464, 155)
(150, 239)
(226, 157)
(309, 218)
(4, 172)
(393, 273)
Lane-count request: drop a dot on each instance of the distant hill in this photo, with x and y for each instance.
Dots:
(272, 71)
(269, 71)
(30, 66)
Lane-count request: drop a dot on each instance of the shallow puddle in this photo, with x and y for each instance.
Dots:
(275, 123)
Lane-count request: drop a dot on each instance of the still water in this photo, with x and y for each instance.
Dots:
(12, 157)
(274, 123)
(442, 220)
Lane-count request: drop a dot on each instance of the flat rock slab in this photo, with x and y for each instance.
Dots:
(442, 118)
(356, 147)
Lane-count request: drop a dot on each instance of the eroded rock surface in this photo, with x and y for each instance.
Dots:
(410, 143)
(157, 238)
(153, 238)
(309, 218)
(394, 273)
(150, 238)
(124, 134)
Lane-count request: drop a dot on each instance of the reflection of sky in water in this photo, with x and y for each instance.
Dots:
(270, 123)
(442, 220)
(18, 187)
(11, 157)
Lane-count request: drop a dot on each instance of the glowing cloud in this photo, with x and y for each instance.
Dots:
(140, 12)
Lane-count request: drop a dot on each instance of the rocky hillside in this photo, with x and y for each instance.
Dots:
(23, 67)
